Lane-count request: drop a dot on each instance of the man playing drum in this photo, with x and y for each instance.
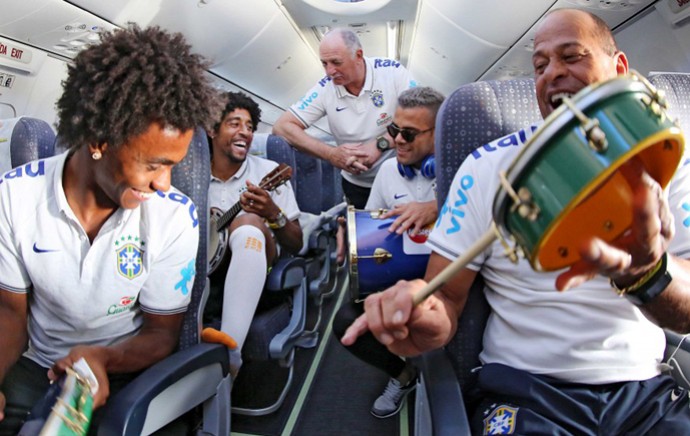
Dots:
(583, 361)
(406, 187)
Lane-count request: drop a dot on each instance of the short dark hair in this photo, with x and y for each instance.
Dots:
(421, 96)
(134, 77)
(239, 100)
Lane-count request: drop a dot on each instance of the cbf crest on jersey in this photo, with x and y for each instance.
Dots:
(501, 420)
(129, 257)
(377, 98)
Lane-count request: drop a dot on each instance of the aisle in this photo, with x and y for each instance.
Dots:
(331, 394)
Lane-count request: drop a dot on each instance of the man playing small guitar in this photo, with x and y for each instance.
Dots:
(267, 219)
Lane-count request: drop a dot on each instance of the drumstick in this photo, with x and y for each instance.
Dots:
(455, 267)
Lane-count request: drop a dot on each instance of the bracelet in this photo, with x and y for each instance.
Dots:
(279, 223)
(641, 281)
(649, 286)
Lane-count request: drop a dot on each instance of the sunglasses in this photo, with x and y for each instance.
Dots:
(407, 134)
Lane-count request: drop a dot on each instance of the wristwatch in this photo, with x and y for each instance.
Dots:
(279, 222)
(650, 286)
(382, 143)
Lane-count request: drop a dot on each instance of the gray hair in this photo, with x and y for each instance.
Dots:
(423, 96)
(350, 39)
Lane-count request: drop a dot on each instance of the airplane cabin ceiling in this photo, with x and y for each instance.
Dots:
(270, 47)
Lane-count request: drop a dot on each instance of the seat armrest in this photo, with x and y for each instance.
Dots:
(444, 403)
(288, 272)
(126, 413)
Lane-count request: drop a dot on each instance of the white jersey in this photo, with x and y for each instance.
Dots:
(391, 189)
(587, 334)
(358, 118)
(91, 293)
(224, 194)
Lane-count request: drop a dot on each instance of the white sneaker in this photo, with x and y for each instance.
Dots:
(391, 400)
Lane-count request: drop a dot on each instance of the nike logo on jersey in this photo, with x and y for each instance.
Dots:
(42, 250)
(399, 196)
(338, 109)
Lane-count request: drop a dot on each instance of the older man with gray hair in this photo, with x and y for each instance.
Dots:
(358, 97)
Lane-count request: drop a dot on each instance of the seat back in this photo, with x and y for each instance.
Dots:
(24, 139)
(278, 150)
(473, 115)
(192, 176)
(677, 89)
(309, 183)
(331, 186)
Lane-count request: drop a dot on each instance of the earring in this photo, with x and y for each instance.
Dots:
(96, 155)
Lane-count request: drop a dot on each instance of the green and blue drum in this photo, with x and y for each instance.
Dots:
(569, 186)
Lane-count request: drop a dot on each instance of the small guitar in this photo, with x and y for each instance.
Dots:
(218, 232)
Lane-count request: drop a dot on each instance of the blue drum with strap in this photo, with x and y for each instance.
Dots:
(379, 258)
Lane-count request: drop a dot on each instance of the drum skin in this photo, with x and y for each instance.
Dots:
(366, 234)
(579, 191)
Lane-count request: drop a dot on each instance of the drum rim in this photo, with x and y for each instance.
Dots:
(557, 120)
(352, 254)
(672, 132)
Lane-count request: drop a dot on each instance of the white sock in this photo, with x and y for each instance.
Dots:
(244, 281)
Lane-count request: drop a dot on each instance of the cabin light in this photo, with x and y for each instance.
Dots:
(392, 39)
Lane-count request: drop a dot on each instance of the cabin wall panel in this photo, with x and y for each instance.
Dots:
(497, 22)
(16, 10)
(219, 29)
(517, 61)
(662, 48)
(449, 52)
(275, 63)
(33, 94)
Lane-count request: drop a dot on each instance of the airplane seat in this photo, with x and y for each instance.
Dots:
(318, 241)
(278, 150)
(24, 139)
(278, 327)
(198, 373)
(677, 89)
(471, 116)
(332, 187)
(333, 199)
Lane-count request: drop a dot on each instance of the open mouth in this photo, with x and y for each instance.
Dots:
(143, 196)
(557, 99)
(240, 144)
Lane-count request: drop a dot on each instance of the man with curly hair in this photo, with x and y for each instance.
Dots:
(268, 219)
(97, 249)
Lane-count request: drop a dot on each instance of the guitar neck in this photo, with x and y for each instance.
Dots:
(228, 216)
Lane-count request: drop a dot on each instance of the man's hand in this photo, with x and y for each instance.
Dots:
(638, 250)
(406, 330)
(372, 151)
(258, 201)
(97, 358)
(413, 216)
(349, 157)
